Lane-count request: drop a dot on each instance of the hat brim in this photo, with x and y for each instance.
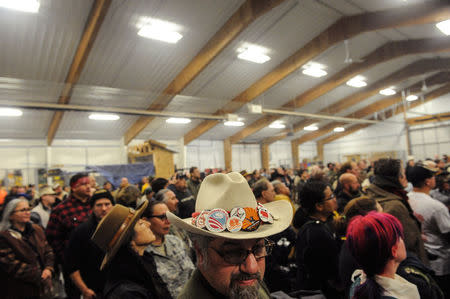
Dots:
(112, 252)
(280, 209)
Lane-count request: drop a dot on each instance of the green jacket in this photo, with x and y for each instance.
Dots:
(197, 287)
(393, 204)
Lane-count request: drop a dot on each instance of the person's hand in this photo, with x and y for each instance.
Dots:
(46, 274)
(88, 294)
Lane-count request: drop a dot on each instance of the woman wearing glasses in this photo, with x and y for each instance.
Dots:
(172, 259)
(26, 259)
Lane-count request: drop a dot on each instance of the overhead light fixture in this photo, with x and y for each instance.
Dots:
(253, 53)
(277, 125)
(388, 91)
(103, 116)
(444, 26)
(411, 97)
(12, 112)
(357, 82)
(311, 128)
(21, 5)
(160, 30)
(176, 120)
(314, 70)
(339, 129)
(235, 123)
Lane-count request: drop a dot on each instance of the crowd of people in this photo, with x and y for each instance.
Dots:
(356, 230)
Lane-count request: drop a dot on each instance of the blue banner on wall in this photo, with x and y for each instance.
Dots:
(113, 173)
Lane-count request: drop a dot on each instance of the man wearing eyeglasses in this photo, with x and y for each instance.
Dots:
(317, 246)
(229, 230)
(169, 252)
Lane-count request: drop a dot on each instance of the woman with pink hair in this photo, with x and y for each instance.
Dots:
(376, 242)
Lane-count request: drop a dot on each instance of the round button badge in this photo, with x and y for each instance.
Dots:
(217, 220)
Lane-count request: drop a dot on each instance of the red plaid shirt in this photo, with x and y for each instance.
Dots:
(63, 220)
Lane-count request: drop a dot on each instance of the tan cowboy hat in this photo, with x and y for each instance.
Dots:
(47, 191)
(114, 229)
(229, 191)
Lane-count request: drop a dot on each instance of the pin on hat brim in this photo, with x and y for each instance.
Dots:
(280, 209)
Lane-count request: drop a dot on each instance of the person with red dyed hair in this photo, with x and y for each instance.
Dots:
(376, 242)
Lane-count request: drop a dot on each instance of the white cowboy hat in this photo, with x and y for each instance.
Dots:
(229, 191)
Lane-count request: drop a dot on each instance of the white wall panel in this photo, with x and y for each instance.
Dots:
(103, 155)
(246, 157)
(205, 154)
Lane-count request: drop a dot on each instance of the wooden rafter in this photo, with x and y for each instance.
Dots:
(344, 28)
(443, 90)
(416, 68)
(241, 19)
(388, 51)
(94, 22)
(440, 78)
(428, 119)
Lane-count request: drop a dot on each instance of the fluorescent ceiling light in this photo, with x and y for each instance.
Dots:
(10, 112)
(314, 70)
(444, 26)
(357, 82)
(253, 53)
(176, 120)
(339, 129)
(21, 5)
(311, 128)
(103, 116)
(233, 123)
(160, 30)
(411, 97)
(277, 125)
(388, 91)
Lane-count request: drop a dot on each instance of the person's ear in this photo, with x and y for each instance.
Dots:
(319, 207)
(394, 251)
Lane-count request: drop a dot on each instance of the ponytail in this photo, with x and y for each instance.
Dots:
(370, 289)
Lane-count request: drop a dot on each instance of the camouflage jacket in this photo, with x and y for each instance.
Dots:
(175, 267)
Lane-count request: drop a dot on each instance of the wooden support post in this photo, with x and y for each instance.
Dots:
(319, 150)
(228, 154)
(265, 155)
(294, 151)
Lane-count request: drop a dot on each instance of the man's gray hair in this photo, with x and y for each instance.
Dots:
(201, 243)
(9, 209)
(259, 187)
(276, 184)
(161, 196)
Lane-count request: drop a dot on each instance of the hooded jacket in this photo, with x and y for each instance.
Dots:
(395, 205)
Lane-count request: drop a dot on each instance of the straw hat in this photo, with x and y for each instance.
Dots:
(224, 197)
(46, 191)
(114, 229)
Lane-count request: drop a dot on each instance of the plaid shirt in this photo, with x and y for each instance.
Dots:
(63, 220)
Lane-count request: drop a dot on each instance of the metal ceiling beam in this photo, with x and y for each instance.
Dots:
(443, 90)
(320, 116)
(240, 20)
(344, 28)
(388, 51)
(95, 20)
(420, 67)
(83, 108)
(437, 79)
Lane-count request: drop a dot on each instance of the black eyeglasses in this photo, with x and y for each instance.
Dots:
(238, 256)
(163, 217)
(330, 198)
